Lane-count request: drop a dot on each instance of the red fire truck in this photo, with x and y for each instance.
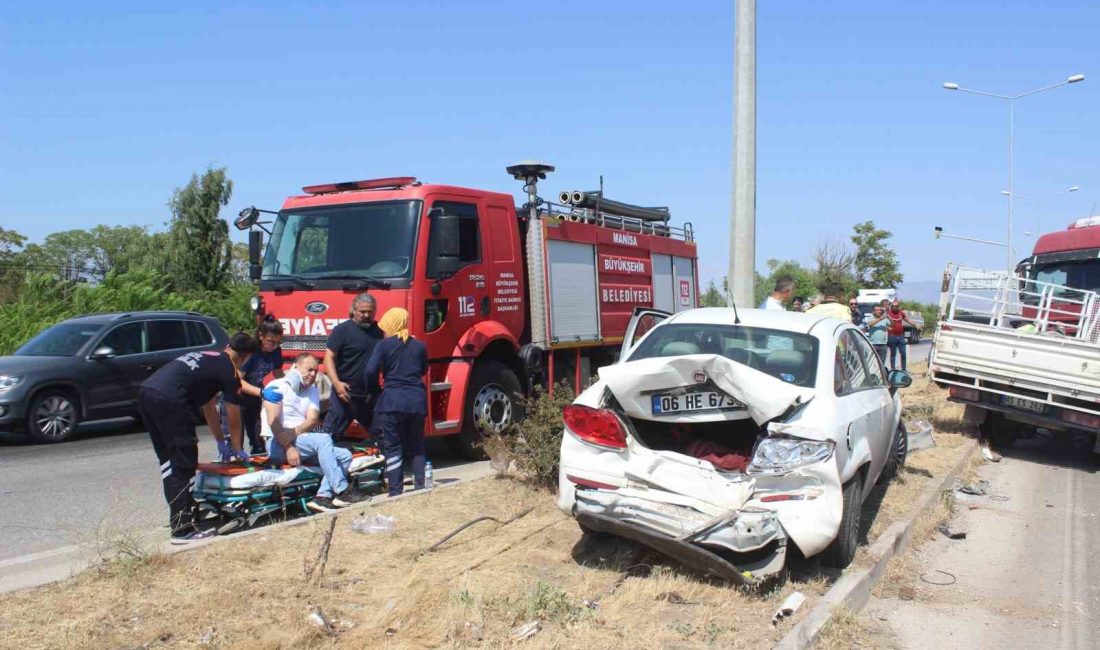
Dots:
(504, 297)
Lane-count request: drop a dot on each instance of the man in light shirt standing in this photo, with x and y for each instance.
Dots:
(292, 408)
(784, 287)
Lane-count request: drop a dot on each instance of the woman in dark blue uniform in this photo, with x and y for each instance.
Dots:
(400, 410)
(168, 401)
(268, 360)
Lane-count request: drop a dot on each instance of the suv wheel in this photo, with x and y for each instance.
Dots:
(53, 416)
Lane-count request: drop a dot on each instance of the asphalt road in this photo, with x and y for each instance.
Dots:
(1026, 575)
(104, 482)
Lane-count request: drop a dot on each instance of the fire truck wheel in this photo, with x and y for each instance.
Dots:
(492, 403)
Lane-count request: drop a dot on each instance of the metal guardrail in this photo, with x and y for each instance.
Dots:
(1003, 300)
(627, 224)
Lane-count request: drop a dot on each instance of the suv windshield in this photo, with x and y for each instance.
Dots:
(370, 240)
(788, 356)
(62, 340)
(1084, 274)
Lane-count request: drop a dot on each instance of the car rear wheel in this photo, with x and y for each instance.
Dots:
(899, 451)
(839, 554)
(53, 416)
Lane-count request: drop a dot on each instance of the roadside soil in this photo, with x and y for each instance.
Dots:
(474, 590)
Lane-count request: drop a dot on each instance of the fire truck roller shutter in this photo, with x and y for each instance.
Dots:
(574, 304)
(663, 296)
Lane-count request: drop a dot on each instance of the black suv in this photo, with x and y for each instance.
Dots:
(90, 368)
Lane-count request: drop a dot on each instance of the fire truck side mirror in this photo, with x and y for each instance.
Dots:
(443, 244)
(255, 250)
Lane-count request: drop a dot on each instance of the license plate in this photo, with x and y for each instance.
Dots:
(1020, 403)
(665, 403)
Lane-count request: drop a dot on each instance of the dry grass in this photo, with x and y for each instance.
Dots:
(473, 591)
(845, 630)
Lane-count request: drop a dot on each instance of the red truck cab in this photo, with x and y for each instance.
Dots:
(1069, 258)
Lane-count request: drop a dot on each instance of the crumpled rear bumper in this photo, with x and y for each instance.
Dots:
(689, 535)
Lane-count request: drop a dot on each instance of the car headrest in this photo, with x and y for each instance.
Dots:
(740, 355)
(786, 362)
(673, 348)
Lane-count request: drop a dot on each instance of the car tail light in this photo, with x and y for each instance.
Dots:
(968, 394)
(595, 426)
(1081, 419)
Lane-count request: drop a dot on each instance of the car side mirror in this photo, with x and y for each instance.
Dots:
(104, 352)
(899, 379)
(443, 244)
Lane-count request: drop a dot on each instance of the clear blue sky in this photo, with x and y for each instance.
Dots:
(107, 107)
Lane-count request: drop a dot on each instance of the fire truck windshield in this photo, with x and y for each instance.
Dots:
(1083, 274)
(366, 240)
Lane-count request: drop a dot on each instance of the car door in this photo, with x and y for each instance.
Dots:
(641, 321)
(110, 380)
(862, 397)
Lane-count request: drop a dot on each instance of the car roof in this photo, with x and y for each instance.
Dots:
(111, 317)
(789, 321)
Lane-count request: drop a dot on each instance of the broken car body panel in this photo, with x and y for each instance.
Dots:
(765, 397)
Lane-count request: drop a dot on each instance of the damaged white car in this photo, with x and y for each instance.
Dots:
(722, 439)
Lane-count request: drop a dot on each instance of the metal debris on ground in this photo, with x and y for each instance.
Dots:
(951, 533)
(972, 489)
(466, 525)
(789, 606)
(526, 631)
(920, 435)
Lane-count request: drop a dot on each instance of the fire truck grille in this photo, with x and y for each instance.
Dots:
(305, 343)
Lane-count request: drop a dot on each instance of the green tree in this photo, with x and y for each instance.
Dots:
(833, 269)
(12, 264)
(94, 254)
(712, 297)
(805, 284)
(200, 251)
(875, 263)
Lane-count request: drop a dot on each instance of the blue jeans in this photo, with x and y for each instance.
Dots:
(316, 449)
(897, 344)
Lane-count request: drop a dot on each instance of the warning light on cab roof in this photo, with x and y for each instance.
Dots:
(372, 184)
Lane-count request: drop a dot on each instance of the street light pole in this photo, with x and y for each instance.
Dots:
(1039, 202)
(1011, 99)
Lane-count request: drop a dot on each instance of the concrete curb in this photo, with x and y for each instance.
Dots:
(54, 565)
(853, 589)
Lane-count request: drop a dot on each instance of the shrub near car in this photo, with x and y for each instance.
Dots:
(90, 368)
(722, 440)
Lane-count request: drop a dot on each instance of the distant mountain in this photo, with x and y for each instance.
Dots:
(927, 291)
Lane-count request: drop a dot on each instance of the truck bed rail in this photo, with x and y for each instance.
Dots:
(1005, 301)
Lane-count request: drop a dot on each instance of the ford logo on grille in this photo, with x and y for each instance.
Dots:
(316, 307)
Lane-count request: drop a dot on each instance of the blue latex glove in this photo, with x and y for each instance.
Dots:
(224, 452)
(242, 455)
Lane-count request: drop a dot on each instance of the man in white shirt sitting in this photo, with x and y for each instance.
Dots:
(784, 287)
(292, 408)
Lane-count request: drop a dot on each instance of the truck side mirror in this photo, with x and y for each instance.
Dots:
(443, 244)
(255, 252)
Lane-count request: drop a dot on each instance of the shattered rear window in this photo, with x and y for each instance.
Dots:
(788, 356)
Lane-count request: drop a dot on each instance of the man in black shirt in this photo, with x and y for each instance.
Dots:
(168, 401)
(346, 353)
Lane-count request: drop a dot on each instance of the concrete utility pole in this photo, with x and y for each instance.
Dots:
(743, 213)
